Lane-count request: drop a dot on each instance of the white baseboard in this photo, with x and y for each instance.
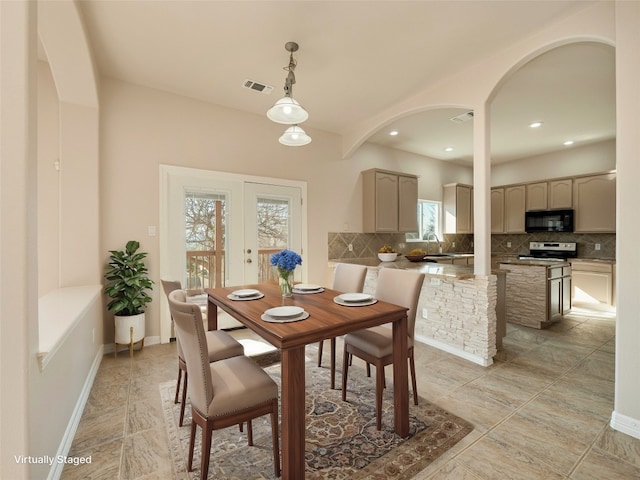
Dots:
(624, 424)
(455, 351)
(74, 421)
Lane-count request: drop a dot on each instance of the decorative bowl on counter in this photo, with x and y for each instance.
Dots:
(387, 257)
(415, 258)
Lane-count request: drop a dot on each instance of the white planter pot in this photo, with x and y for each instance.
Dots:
(123, 329)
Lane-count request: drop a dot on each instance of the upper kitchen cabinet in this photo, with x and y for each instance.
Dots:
(497, 210)
(551, 195)
(560, 194)
(390, 201)
(594, 201)
(457, 202)
(514, 207)
(537, 196)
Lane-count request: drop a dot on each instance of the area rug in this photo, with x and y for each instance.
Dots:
(341, 441)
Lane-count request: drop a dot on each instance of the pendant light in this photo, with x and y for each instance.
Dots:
(287, 110)
(294, 136)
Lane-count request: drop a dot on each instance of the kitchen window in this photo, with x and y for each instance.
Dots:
(428, 222)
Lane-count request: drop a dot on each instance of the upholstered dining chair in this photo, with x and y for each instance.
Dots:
(347, 278)
(223, 393)
(375, 345)
(220, 345)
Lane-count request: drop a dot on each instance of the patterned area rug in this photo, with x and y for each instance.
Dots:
(342, 441)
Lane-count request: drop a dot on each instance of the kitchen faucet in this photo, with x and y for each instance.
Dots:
(436, 237)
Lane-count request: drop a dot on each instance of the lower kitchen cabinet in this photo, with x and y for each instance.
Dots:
(593, 282)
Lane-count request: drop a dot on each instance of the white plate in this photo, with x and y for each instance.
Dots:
(284, 312)
(247, 292)
(355, 297)
(267, 318)
(307, 286)
(257, 296)
(339, 301)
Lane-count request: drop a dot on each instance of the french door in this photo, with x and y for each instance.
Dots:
(221, 229)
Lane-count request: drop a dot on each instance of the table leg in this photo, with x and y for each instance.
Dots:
(293, 413)
(212, 315)
(400, 378)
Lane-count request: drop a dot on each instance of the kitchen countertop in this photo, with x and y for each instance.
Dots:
(536, 262)
(460, 272)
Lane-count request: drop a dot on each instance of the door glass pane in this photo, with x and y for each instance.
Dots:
(273, 233)
(205, 215)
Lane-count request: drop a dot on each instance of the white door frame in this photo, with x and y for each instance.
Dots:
(173, 177)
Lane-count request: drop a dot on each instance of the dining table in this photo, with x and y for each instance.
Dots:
(326, 319)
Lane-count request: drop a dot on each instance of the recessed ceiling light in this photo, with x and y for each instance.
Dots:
(568, 142)
(535, 124)
(448, 149)
(393, 133)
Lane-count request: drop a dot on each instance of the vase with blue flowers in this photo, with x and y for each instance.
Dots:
(286, 262)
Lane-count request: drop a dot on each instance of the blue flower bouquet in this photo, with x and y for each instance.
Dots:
(286, 262)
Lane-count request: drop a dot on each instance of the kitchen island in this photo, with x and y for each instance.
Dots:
(538, 291)
(458, 312)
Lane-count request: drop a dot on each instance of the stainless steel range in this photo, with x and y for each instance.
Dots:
(553, 251)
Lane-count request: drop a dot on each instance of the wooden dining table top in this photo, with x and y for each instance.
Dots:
(327, 319)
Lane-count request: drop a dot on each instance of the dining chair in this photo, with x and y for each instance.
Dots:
(220, 344)
(375, 345)
(347, 278)
(223, 393)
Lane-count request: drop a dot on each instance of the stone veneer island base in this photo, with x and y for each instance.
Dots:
(464, 312)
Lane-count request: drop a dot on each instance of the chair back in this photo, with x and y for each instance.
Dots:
(188, 322)
(349, 278)
(401, 287)
(169, 286)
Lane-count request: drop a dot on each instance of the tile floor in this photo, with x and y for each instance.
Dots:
(540, 412)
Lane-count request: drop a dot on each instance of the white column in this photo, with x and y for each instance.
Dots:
(482, 190)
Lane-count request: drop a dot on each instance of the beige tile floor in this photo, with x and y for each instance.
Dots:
(540, 412)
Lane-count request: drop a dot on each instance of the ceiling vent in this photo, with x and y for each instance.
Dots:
(465, 117)
(258, 87)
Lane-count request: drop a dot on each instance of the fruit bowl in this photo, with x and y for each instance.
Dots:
(387, 257)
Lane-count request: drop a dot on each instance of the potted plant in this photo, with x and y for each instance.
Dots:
(127, 285)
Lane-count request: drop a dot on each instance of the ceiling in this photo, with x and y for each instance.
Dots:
(358, 58)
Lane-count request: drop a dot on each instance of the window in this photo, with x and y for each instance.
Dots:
(428, 222)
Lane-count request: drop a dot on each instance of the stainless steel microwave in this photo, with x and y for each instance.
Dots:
(549, 221)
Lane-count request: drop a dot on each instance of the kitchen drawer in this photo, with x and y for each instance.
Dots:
(600, 267)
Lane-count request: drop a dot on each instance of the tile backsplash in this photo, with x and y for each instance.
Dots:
(366, 245)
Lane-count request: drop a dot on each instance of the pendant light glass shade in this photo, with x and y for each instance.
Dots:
(294, 136)
(287, 111)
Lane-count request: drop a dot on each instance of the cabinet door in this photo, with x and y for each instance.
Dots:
(592, 287)
(514, 205)
(566, 295)
(537, 196)
(464, 215)
(594, 201)
(560, 194)
(555, 299)
(386, 202)
(407, 204)
(497, 210)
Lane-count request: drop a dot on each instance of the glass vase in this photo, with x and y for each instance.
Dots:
(286, 284)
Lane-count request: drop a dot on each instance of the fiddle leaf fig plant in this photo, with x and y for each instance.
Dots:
(127, 281)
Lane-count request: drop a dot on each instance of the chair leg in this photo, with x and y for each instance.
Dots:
(205, 451)
(175, 400)
(192, 439)
(320, 344)
(249, 433)
(412, 366)
(368, 370)
(333, 363)
(184, 399)
(379, 388)
(275, 439)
